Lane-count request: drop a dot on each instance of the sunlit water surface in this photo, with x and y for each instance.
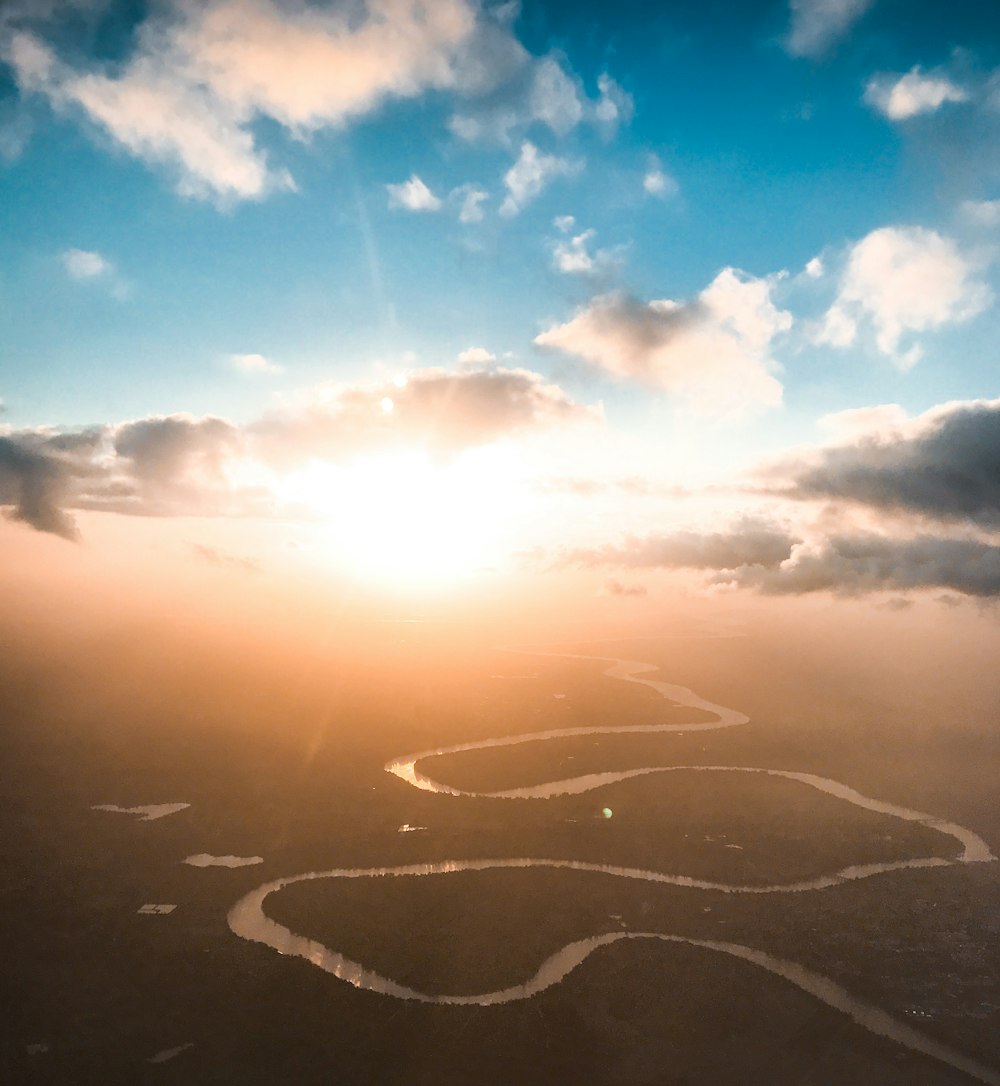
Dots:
(249, 921)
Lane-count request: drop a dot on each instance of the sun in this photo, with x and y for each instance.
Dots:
(409, 518)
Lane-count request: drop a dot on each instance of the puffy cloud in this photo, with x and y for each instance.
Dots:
(951, 116)
(757, 554)
(713, 351)
(438, 409)
(864, 422)
(177, 457)
(615, 105)
(900, 97)
(817, 24)
(38, 470)
(656, 182)
(308, 67)
(859, 564)
(982, 212)
(541, 91)
(902, 280)
(159, 115)
(815, 268)
(943, 464)
(476, 356)
(751, 542)
(572, 256)
(412, 195)
(553, 99)
(532, 171)
(254, 363)
(202, 73)
(472, 199)
(85, 264)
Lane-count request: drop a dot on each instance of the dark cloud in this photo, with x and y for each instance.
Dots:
(859, 564)
(749, 543)
(170, 451)
(39, 472)
(948, 468)
(758, 555)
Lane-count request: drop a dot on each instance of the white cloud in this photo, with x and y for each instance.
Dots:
(838, 329)
(564, 223)
(714, 352)
(308, 67)
(15, 130)
(202, 73)
(476, 356)
(657, 182)
(438, 409)
(873, 423)
(472, 200)
(553, 99)
(158, 115)
(902, 97)
(254, 363)
(615, 105)
(412, 195)
(541, 91)
(573, 257)
(817, 24)
(902, 280)
(33, 61)
(532, 171)
(814, 268)
(84, 264)
(982, 212)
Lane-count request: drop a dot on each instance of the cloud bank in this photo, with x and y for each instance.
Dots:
(182, 464)
(944, 464)
(770, 559)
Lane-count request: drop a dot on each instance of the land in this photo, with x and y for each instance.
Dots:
(286, 762)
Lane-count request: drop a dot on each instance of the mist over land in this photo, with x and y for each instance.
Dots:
(277, 738)
(499, 542)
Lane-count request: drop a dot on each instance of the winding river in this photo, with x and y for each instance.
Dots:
(248, 919)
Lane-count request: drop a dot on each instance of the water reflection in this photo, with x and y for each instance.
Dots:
(205, 859)
(149, 813)
(248, 920)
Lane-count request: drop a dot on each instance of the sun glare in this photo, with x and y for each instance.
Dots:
(407, 518)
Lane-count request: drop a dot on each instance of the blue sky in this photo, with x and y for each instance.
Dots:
(714, 223)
